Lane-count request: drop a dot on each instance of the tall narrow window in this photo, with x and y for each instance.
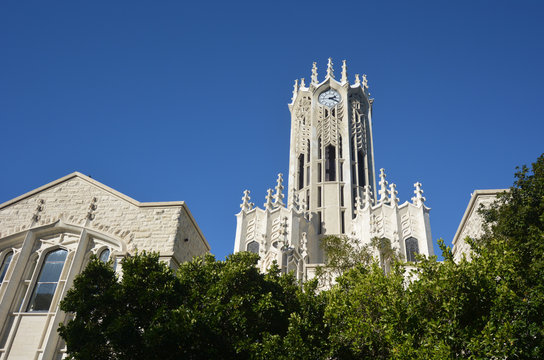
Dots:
(361, 168)
(341, 170)
(5, 265)
(319, 153)
(307, 199)
(343, 223)
(340, 147)
(47, 281)
(342, 195)
(319, 175)
(319, 196)
(412, 248)
(308, 151)
(300, 171)
(307, 175)
(330, 163)
(320, 223)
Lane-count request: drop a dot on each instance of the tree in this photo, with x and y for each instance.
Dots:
(207, 309)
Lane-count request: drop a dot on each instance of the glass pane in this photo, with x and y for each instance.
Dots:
(41, 299)
(5, 265)
(105, 255)
(253, 247)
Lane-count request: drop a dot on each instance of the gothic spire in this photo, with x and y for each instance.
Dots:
(419, 199)
(314, 74)
(393, 191)
(246, 205)
(295, 90)
(344, 72)
(302, 83)
(278, 196)
(357, 80)
(368, 200)
(365, 82)
(268, 205)
(330, 70)
(384, 192)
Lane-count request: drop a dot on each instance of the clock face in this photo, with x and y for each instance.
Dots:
(329, 98)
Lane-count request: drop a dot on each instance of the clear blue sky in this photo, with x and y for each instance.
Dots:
(178, 100)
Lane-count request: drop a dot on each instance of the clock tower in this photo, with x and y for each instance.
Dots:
(332, 187)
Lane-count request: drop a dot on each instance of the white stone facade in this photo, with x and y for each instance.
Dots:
(72, 218)
(472, 221)
(332, 184)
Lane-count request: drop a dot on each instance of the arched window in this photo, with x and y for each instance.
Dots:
(253, 247)
(412, 249)
(330, 163)
(104, 255)
(47, 281)
(5, 265)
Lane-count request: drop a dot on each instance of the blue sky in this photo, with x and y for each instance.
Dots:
(175, 100)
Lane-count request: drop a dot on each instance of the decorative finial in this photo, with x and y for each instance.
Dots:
(314, 74)
(302, 84)
(304, 245)
(384, 192)
(393, 191)
(358, 202)
(39, 209)
(418, 200)
(365, 82)
(357, 80)
(246, 205)
(295, 90)
(344, 72)
(268, 205)
(368, 198)
(330, 70)
(278, 196)
(92, 208)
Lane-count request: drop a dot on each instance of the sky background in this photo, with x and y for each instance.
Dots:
(178, 100)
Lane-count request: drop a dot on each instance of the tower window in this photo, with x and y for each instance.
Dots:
(412, 248)
(319, 223)
(319, 196)
(307, 175)
(307, 199)
(5, 265)
(361, 168)
(308, 151)
(330, 163)
(300, 171)
(340, 147)
(47, 281)
(319, 153)
(343, 223)
(342, 195)
(253, 247)
(319, 175)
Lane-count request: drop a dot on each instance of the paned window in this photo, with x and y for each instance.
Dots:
(5, 265)
(412, 249)
(47, 281)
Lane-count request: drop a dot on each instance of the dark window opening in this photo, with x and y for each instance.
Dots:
(104, 255)
(319, 175)
(340, 147)
(330, 163)
(319, 153)
(307, 175)
(341, 171)
(319, 225)
(333, 112)
(300, 171)
(343, 223)
(342, 195)
(326, 112)
(307, 199)
(361, 168)
(412, 249)
(308, 151)
(319, 196)
(253, 247)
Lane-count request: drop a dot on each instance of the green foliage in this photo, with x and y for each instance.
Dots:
(491, 307)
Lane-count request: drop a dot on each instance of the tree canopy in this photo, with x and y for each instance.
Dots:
(490, 307)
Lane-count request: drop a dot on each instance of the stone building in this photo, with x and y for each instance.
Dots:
(471, 223)
(47, 237)
(332, 184)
